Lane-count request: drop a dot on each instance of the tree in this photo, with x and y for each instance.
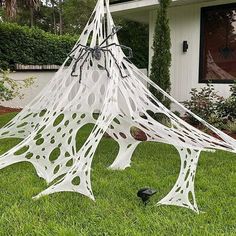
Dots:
(57, 10)
(76, 14)
(10, 8)
(60, 11)
(161, 61)
(135, 35)
(13, 5)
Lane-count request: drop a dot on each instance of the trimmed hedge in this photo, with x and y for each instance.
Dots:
(32, 46)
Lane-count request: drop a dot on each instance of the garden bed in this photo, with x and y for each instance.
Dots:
(4, 110)
(233, 135)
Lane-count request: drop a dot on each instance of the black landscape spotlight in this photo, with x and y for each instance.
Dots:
(145, 194)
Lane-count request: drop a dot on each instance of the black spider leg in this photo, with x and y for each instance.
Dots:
(121, 46)
(77, 46)
(75, 64)
(108, 50)
(77, 60)
(105, 58)
(114, 31)
(80, 68)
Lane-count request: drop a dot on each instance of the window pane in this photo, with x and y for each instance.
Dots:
(218, 44)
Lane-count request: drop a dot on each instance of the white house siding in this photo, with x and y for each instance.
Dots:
(41, 79)
(185, 25)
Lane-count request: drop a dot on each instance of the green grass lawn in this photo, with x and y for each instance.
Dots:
(117, 210)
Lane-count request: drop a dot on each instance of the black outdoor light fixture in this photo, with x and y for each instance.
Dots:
(145, 194)
(185, 46)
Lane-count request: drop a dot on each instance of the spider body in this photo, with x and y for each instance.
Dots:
(96, 52)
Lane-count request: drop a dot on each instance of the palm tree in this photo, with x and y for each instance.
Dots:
(32, 4)
(11, 8)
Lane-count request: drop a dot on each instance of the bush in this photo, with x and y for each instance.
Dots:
(205, 103)
(213, 108)
(135, 35)
(231, 126)
(227, 109)
(161, 60)
(32, 46)
(10, 88)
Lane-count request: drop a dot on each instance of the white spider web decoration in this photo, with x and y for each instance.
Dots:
(121, 100)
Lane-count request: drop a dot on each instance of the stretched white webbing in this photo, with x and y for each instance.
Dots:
(112, 95)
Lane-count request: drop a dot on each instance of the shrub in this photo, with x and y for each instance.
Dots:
(24, 45)
(10, 88)
(161, 61)
(205, 103)
(135, 35)
(231, 126)
(227, 109)
(216, 110)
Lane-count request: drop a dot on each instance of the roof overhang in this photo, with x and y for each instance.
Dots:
(138, 10)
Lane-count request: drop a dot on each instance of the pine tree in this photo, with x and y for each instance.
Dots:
(161, 61)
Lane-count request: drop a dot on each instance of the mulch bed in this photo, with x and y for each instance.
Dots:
(4, 110)
(233, 135)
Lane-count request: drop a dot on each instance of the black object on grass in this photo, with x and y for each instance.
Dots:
(145, 194)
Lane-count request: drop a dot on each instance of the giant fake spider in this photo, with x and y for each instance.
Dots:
(96, 53)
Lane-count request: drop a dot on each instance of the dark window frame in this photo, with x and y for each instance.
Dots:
(202, 55)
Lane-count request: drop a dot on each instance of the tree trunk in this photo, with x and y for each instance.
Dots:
(10, 8)
(54, 18)
(31, 16)
(60, 18)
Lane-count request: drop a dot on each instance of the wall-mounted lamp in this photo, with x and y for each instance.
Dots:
(185, 46)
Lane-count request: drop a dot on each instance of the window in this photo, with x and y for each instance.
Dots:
(218, 44)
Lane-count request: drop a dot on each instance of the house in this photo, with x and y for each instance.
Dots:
(203, 37)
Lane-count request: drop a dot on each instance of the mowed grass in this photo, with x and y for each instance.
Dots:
(117, 210)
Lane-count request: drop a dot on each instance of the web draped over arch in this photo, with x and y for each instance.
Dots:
(112, 94)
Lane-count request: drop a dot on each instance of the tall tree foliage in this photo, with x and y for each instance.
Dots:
(65, 16)
(57, 16)
(50, 16)
(161, 61)
(56, 10)
(76, 14)
(12, 6)
(135, 35)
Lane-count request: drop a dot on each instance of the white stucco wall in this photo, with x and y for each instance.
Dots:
(42, 78)
(185, 25)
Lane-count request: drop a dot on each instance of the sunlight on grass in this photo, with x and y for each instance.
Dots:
(117, 210)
